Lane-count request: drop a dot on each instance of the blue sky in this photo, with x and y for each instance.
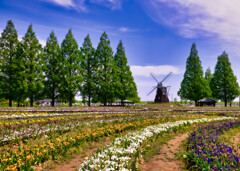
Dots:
(157, 34)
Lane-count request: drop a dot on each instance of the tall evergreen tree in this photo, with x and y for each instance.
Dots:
(224, 84)
(208, 75)
(88, 68)
(194, 86)
(71, 67)
(8, 46)
(208, 78)
(53, 65)
(32, 54)
(126, 87)
(20, 78)
(105, 73)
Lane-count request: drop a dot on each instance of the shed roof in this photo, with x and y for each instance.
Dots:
(207, 100)
(125, 101)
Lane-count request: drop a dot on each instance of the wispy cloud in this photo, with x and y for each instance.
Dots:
(64, 3)
(127, 29)
(113, 4)
(41, 41)
(70, 4)
(196, 18)
(81, 5)
(157, 70)
(123, 29)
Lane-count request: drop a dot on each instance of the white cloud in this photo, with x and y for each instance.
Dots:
(113, 4)
(75, 4)
(196, 18)
(157, 70)
(42, 42)
(123, 29)
(64, 3)
(80, 5)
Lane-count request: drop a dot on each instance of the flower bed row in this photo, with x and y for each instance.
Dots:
(207, 152)
(124, 153)
(24, 157)
(24, 131)
(36, 152)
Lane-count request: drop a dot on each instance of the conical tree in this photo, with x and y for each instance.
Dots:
(208, 78)
(193, 86)
(105, 73)
(88, 68)
(20, 93)
(8, 46)
(53, 65)
(71, 67)
(32, 54)
(126, 86)
(224, 84)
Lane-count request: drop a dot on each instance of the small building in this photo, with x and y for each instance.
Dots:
(125, 103)
(207, 102)
(46, 102)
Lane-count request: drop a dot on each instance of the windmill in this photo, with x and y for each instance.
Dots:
(162, 92)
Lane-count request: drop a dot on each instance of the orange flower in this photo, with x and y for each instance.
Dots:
(29, 157)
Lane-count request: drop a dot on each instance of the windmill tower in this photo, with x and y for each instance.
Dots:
(162, 92)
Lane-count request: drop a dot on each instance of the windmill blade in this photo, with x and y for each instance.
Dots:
(154, 77)
(152, 90)
(166, 77)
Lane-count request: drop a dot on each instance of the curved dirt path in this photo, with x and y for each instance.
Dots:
(165, 160)
(235, 142)
(77, 160)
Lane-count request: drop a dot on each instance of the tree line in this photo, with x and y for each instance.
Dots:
(221, 85)
(60, 72)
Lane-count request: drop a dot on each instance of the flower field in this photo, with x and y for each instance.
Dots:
(29, 139)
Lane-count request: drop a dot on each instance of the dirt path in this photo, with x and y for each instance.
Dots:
(235, 142)
(165, 160)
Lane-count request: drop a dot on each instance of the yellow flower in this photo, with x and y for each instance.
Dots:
(29, 157)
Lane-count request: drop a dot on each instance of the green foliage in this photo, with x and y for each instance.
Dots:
(32, 57)
(208, 78)
(53, 63)
(88, 67)
(21, 91)
(9, 63)
(224, 84)
(194, 86)
(71, 68)
(126, 87)
(105, 77)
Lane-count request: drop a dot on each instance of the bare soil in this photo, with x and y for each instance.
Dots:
(166, 160)
(235, 142)
(74, 162)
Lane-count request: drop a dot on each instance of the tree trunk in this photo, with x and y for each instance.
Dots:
(105, 101)
(196, 103)
(89, 102)
(70, 100)
(53, 96)
(10, 101)
(225, 103)
(18, 105)
(122, 104)
(31, 101)
(53, 101)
